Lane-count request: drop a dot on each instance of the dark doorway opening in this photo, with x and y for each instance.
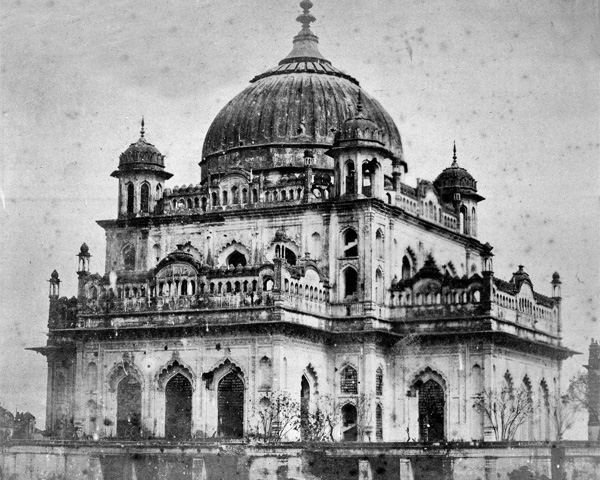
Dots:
(349, 417)
(178, 408)
(231, 406)
(304, 407)
(290, 256)
(431, 412)
(236, 258)
(129, 408)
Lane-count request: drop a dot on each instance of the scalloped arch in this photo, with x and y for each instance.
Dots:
(426, 374)
(229, 248)
(413, 258)
(173, 367)
(311, 374)
(226, 362)
(122, 369)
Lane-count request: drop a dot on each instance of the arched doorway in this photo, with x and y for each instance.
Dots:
(231, 406)
(349, 427)
(178, 408)
(129, 408)
(431, 411)
(304, 407)
(236, 258)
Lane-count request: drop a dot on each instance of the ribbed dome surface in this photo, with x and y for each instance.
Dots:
(455, 177)
(291, 108)
(141, 153)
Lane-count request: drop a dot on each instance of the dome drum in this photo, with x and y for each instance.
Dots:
(263, 158)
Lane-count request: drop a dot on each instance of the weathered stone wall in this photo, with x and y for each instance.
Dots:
(204, 461)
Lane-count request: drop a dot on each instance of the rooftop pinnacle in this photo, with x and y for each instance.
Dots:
(305, 47)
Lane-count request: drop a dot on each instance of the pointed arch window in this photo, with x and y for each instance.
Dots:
(379, 381)
(379, 245)
(350, 282)
(349, 381)
(378, 423)
(145, 198)
(178, 408)
(130, 197)
(464, 220)
(350, 177)
(367, 187)
(406, 269)
(350, 243)
(230, 402)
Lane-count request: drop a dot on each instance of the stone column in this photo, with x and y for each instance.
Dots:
(78, 402)
(367, 392)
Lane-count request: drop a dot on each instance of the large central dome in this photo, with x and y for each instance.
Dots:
(295, 106)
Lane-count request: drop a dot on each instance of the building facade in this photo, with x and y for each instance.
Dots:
(301, 263)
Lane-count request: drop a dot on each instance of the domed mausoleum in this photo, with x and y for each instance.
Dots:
(300, 266)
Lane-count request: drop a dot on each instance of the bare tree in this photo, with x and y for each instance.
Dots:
(578, 390)
(563, 414)
(573, 403)
(320, 423)
(506, 410)
(276, 416)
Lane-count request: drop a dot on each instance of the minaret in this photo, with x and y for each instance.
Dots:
(556, 295)
(141, 175)
(458, 187)
(83, 269)
(53, 295)
(360, 138)
(488, 275)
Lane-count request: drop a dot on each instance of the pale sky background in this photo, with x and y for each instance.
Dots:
(515, 83)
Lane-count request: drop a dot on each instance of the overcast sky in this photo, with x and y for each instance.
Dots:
(514, 82)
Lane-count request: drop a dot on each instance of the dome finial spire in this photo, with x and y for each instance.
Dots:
(305, 47)
(359, 105)
(454, 163)
(306, 18)
(142, 131)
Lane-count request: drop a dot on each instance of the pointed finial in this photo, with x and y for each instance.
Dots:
(305, 42)
(454, 163)
(142, 129)
(306, 18)
(359, 106)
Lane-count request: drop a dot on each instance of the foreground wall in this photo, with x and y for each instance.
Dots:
(112, 461)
